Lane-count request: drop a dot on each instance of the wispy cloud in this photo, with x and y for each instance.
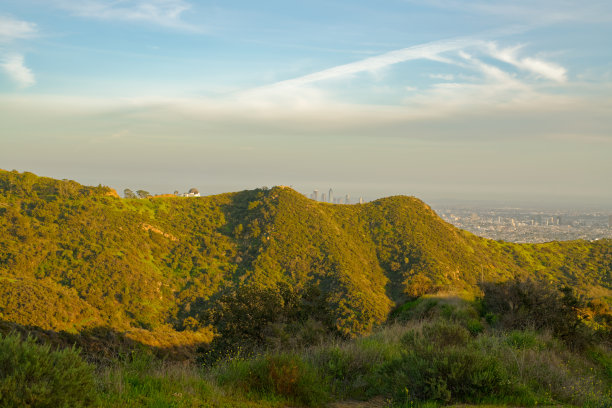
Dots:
(532, 12)
(537, 66)
(487, 85)
(431, 51)
(14, 66)
(12, 29)
(165, 13)
(444, 77)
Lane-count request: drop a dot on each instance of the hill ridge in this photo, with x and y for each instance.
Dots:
(361, 259)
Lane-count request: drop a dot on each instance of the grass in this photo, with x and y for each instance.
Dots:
(432, 360)
(143, 381)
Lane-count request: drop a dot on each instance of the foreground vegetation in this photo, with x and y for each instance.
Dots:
(437, 350)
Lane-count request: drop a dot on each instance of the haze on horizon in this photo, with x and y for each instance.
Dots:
(444, 99)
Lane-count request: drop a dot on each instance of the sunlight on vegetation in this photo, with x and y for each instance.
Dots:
(264, 298)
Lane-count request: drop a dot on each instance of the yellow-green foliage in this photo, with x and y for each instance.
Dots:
(45, 304)
(158, 265)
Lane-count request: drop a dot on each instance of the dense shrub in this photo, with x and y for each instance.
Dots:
(250, 317)
(537, 305)
(285, 375)
(523, 340)
(441, 364)
(418, 286)
(350, 371)
(32, 375)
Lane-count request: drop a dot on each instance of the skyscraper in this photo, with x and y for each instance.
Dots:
(323, 197)
(360, 200)
(331, 196)
(347, 199)
(316, 195)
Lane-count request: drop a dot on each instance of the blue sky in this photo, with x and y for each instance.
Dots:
(459, 100)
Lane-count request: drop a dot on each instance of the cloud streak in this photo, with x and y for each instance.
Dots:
(14, 67)
(533, 12)
(12, 29)
(487, 85)
(429, 51)
(165, 13)
(537, 66)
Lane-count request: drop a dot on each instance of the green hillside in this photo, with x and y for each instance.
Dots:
(165, 271)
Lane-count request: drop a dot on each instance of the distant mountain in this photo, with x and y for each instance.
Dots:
(74, 257)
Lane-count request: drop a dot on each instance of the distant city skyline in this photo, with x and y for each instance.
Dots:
(481, 101)
(524, 225)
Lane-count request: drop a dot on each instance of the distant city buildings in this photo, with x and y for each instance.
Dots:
(331, 198)
(524, 225)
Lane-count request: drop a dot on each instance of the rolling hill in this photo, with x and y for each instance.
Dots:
(73, 258)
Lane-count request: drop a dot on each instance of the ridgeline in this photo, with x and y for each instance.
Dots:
(167, 272)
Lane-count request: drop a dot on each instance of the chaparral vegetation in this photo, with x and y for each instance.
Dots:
(265, 298)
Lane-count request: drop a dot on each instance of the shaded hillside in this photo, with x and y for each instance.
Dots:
(73, 257)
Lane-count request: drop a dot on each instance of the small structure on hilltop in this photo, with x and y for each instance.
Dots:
(193, 192)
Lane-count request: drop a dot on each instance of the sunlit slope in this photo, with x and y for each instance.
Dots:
(89, 258)
(411, 240)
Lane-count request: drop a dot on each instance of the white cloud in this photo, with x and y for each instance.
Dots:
(537, 66)
(533, 12)
(14, 67)
(430, 51)
(486, 85)
(444, 52)
(12, 29)
(166, 13)
(444, 77)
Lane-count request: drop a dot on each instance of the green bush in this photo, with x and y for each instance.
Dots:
(604, 358)
(284, 375)
(538, 305)
(474, 326)
(444, 333)
(32, 375)
(441, 363)
(452, 374)
(421, 308)
(351, 371)
(523, 340)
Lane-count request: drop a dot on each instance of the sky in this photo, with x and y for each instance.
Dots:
(504, 101)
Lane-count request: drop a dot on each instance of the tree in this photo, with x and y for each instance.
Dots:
(143, 194)
(418, 286)
(127, 193)
(537, 304)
